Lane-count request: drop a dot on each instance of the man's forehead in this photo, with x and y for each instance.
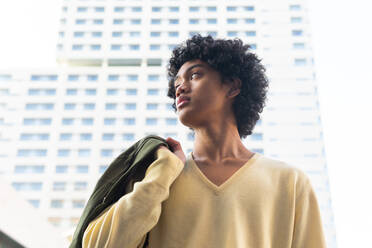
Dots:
(189, 65)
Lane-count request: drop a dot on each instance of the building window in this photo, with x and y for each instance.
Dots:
(136, 9)
(77, 47)
(152, 106)
(115, 47)
(155, 21)
(212, 21)
(231, 8)
(297, 33)
(112, 92)
(249, 8)
(56, 204)
(118, 21)
(232, 21)
(113, 78)
(211, 9)
(153, 92)
(128, 136)
(82, 9)
(31, 169)
(151, 121)
(65, 136)
(89, 106)
(109, 121)
(134, 34)
(73, 77)
(131, 92)
(119, 9)
(250, 20)
(212, 33)
(78, 203)
(256, 136)
(173, 21)
(194, 9)
(98, 21)
(78, 34)
(87, 121)
(106, 152)
(71, 92)
(130, 106)
(90, 92)
(171, 121)
(34, 203)
(108, 136)
(134, 47)
(96, 34)
(298, 45)
(174, 9)
(300, 62)
(132, 78)
(156, 9)
(92, 77)
(80, 186)
(155, 34)
(67, 121)
(95, 47)
(153, 77)
(135, 21)
(80, 21)
(193, 21)
(84, 152)
(82, 169)
(85, 136)
(61, 169)
(129, 121)
(232, 33)
(296, 19)
(99, 9)
(110, 106)
(59, 186)
(154, 47)
(70, 106)
(250, 33)
(173, 34)
(295, 7)
(117, 34)
(63, 152)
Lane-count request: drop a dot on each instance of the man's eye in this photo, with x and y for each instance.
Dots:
(195, 73)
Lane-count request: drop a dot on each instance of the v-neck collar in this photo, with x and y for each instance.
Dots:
(231, 179)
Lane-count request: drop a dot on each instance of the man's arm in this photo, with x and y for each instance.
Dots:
(308, 229)
(126, 222)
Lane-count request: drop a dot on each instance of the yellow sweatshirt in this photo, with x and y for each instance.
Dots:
(267, 203)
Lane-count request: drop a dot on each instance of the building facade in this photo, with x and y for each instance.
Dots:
(61, 127)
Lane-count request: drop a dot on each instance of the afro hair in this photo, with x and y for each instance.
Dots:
(231, 59)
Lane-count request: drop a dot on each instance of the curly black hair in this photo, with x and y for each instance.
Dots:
(232, 60)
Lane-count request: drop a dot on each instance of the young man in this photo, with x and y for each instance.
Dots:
(222, 194)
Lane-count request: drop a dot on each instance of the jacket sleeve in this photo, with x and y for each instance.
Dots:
(126, 222)
(308, 229)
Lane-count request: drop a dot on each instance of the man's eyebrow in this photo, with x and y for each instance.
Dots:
(188, 69)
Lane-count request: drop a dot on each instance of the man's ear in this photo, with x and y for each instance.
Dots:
(236, 84)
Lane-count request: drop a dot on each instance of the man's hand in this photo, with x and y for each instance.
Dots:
(176, 147)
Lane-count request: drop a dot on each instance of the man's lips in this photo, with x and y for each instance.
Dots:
(182, 102)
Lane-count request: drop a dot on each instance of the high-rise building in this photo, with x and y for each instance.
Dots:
(61, 127)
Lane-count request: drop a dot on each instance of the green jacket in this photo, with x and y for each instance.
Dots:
(118, 179)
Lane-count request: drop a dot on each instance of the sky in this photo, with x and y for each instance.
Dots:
(341, 39)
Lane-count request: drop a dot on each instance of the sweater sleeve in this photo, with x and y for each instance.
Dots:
(126, 222)
(308, 229)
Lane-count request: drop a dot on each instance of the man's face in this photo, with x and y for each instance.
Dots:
(197, 80)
